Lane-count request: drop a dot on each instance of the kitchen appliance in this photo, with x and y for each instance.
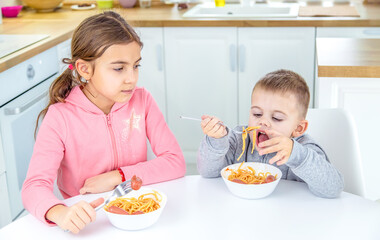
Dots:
(23, 94)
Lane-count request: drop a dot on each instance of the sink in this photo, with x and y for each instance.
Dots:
(260, 10)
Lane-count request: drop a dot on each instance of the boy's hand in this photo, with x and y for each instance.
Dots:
(276, 143)
(101, 183)
(211, 127)
(76, 217)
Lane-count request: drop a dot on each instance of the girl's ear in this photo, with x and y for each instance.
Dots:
(84, 69)
(301, 128)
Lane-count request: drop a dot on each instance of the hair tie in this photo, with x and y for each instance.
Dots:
(71, 66)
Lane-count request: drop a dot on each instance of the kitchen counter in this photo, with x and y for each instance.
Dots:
(347, 57)
(61, 24)
(203, 208)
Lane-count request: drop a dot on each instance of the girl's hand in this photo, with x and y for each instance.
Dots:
(211, 127)
(277, 143)
(101, 183)
(76, 217)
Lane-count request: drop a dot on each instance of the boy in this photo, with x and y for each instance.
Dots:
(279, 105)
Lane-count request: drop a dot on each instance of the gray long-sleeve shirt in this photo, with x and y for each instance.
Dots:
(307, 163)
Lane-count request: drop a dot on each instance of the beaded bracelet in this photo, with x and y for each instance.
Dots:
(121, 174)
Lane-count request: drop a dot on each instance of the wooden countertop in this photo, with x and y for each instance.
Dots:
(60, 25)
(347, 57)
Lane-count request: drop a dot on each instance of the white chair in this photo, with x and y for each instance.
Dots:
(335, 131)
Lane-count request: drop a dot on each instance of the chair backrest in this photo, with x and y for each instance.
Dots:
(335, 131)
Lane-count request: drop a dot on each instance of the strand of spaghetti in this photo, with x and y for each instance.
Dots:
(248, 175)
(244, 136)
(253, 141)
(144, 203)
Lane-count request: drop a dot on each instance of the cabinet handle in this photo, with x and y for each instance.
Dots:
(159, 57)
(233, 57)
(22, 108)
(373, 32)
(242, 58)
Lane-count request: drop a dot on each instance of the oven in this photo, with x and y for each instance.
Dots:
(23, 94)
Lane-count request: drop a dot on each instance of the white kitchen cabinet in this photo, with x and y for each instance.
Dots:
(262, 50)
(5, 216)
(213, 70)
(361, 97)
(5, 213)
(151, 72)
(201, 77)
(63, 51)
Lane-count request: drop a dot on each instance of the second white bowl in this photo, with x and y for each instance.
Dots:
(252, 191)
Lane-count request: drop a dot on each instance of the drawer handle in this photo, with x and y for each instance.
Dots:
(373, 32)
(22, 108)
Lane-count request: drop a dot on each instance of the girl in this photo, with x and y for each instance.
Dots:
(94, 132)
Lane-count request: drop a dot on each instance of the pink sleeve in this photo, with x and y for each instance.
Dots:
(37, 190)
(170, 162)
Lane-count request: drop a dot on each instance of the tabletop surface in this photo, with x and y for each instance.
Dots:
(200, 208)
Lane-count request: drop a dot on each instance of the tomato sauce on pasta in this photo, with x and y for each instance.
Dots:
(145, 203)
(249, 176)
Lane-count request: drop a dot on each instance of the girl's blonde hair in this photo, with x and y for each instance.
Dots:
(90, 40)
(286, 81)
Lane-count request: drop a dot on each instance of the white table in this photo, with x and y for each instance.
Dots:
(200, 208)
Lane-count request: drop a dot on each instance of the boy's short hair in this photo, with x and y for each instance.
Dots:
(286, 81)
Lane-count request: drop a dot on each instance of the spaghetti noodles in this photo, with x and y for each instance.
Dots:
(248, 176)
(145, 203)
(244, 136)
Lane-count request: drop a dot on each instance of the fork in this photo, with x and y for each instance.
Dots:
(121, 189)
(198, 119)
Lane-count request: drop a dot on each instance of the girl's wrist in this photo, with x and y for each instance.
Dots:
(53, 213)
(121, 174)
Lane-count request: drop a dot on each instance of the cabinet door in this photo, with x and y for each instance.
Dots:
(151, 72)
(361, 97)
(5, 216)
(262, 50)
(201, 75)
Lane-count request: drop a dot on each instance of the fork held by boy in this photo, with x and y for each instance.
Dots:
(198, 119)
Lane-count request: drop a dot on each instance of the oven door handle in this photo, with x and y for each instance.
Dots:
(22, 108)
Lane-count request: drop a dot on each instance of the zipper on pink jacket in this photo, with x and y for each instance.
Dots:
(113, 141)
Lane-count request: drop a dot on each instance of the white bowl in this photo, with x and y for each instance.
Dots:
(137, 222)
(252, 191)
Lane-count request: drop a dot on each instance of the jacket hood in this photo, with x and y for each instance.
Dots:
(77, 98)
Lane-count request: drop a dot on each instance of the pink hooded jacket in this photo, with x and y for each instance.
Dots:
(77, 141)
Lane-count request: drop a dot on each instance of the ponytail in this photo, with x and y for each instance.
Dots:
(59, 90)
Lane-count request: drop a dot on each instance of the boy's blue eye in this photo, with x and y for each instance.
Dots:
(118, 69)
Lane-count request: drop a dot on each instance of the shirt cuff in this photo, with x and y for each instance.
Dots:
(44, 207)
(298, 155)
(218, 144)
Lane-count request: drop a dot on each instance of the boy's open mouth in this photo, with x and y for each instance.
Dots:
(261, 136)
